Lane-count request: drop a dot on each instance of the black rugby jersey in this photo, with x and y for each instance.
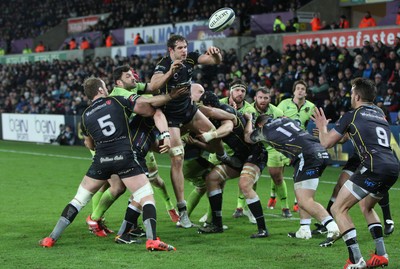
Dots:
(287, 137)
(370, 133)
(107, 122)
(235, 140)
(144, 133)
(183, 77)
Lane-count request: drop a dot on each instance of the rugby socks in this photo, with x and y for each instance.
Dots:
(350, 238)
(193, 200)
(67, 217)
(240, 200)
(384, 203)
(162, 191)
(255, 207)
(182, 206)
(377, 234)
(96, 199)
(273, 190)
(150, 220)
(132, 214)
(106, 200)
(281, 191)
(215, 198)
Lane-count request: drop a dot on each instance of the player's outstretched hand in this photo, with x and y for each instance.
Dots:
(319, 118)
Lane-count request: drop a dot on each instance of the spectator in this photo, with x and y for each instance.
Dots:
(279, 26)
(40, 47)
(84, 44)
(27, 49)
(320, 91)
(398, 16)
(2, 51)
(66, 136)
(315, 22)
(138, 40)
(381, 88)
(391, 100)
(367, 21)
(397, 122)
(394, 79)
(109, 41)
(343, 23)
(72, 44)
(379, 103)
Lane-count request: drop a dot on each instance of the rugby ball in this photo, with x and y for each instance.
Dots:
(221, 19)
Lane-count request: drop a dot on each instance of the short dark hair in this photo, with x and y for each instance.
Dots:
(302, 82)
(365, 88)
(117, 74)
(171, 43)
(91, 86)
(262, 119)
(263, 90)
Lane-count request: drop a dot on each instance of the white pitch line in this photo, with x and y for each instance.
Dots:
(160, 165)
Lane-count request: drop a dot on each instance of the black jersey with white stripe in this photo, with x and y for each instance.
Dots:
(286, 136)
(107, 122)
(144, 134)
(370, 133)
(183, 77)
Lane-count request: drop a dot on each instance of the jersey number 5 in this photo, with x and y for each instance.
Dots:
(106, 125)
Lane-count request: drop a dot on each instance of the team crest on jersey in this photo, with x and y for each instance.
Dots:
(108, 102)
(307, 109)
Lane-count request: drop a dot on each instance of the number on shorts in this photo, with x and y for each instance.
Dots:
(383, 137)
(106, 125)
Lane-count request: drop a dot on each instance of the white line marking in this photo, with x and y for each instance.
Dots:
(160, 165)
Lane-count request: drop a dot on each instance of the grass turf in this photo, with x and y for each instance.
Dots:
(37, 181)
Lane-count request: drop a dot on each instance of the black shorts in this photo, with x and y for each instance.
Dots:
(352, 163)
(180, 119)
(124, 165)
(309, 167)
(372, 182)
(258, 156)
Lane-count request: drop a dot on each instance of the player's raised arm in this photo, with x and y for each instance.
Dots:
(212, 56)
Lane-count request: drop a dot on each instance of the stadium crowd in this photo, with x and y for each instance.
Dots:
(55, 88)
(17, 22)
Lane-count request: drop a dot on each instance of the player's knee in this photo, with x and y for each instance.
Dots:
(217, 176)
(81, 198)
(176, 151)
(117, 188)
(144, 191)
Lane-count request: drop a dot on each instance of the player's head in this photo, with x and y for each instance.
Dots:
(237, 91)
(210, 99)
(177, 47)
(196, 91)
(93, 86)
(300, 89)
(124, 77)
(262, 99)
(262, 120)
(362, 90)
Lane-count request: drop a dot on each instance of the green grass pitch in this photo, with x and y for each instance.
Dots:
(37, 181)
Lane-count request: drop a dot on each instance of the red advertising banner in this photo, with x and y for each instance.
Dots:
(77, 25)
(346, 38)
